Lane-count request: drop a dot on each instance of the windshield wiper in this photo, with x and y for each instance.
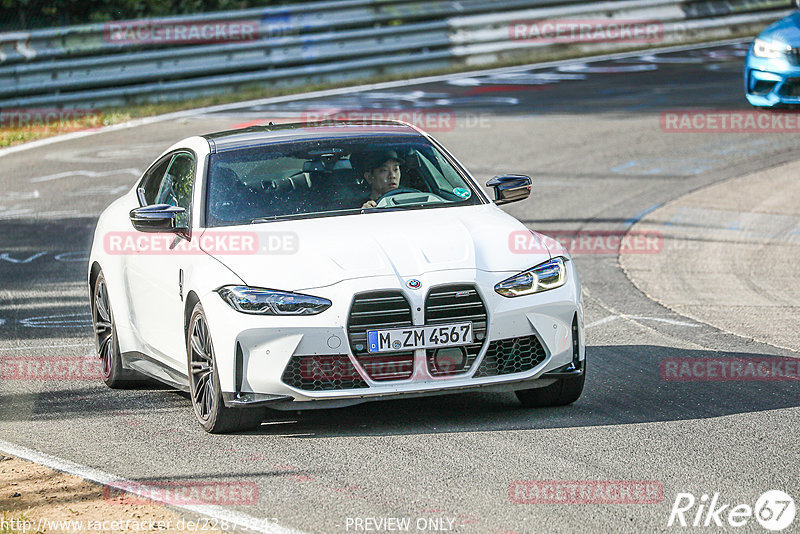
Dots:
(310, 215)
(352, 211)
(411, 206)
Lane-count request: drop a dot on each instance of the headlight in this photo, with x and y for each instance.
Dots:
(548, 275)
(259, 301)
(766, 49)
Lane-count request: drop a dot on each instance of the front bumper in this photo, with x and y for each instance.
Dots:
(772, 82)
(543, 331)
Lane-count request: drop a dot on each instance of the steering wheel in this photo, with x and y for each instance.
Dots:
(398, 191)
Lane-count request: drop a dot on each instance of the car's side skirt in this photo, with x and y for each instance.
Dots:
(152, 368)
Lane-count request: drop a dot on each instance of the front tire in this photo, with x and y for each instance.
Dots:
(113, 373)
(562, 392)
(204, 387)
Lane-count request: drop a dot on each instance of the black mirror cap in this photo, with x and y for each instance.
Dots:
(510, 188)
(159, 218)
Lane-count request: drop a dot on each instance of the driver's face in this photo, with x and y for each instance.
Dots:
(384, 178)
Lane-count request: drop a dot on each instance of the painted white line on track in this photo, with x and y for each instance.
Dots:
(240, 520)
(31, 347)
(604, 320)
(662, 320)
(64, 320)
(358, 88)
(611, 318)
(20, 195)
(5, 256)
(82, 172)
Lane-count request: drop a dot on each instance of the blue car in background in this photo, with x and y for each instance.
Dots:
(772, 69)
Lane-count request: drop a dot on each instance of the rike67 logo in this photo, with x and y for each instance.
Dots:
(774, 510)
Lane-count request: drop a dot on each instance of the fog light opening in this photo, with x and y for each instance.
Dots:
(450, 360)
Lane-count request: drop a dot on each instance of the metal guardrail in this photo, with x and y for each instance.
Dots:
(323, 42)
(476, 36)
(58, 43)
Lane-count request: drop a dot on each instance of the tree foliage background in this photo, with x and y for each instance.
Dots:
(32, 14)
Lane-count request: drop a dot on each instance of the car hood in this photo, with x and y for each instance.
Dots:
(312, 253)
(786, 30)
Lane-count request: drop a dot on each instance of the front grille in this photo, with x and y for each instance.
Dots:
(508, 356)
(455, 304)
(322, 373)
(793, 55)
(379, 310)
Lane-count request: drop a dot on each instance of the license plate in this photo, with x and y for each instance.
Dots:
(419, 337)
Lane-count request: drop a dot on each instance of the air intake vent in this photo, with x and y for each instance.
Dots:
(322, 373)
(508, 356)
(376, 311)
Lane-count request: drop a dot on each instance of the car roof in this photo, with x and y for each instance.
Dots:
(304, 131)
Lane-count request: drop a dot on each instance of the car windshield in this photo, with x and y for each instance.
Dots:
(332, 176)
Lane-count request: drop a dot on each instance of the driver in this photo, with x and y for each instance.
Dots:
(381, 170)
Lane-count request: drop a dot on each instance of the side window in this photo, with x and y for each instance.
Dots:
(151, 181)
(176, 187)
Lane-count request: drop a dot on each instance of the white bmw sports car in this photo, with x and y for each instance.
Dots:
(326, 264)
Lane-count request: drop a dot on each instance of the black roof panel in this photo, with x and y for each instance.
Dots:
(301, 131)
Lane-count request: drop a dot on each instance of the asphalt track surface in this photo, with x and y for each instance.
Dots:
(589, 133)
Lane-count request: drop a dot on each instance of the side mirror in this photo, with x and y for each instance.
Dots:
(160, 218)
(510, 188)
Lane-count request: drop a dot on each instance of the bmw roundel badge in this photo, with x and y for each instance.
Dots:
(414, 283)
